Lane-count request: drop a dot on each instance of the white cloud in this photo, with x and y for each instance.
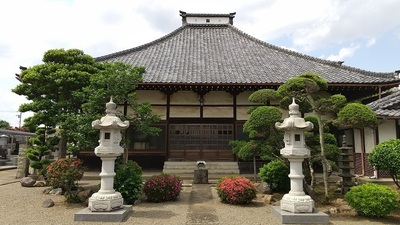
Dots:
(344, 53)
(371, 42)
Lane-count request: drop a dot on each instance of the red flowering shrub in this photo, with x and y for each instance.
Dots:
(63, 173)
(236, 190)
(163, 187)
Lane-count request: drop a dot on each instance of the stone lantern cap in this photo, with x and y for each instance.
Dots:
(110, 120)
(294, 121)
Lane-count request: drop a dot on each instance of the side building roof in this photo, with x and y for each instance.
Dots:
(221, 54)
(388, 106)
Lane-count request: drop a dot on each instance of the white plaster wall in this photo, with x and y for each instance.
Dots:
(369, 135)
(154, 97)
(185, 111)
(203, 20)
(218, 112)
(357, 141)
(241, 112)
(157, 110)
(242, 98)
(185, 97)
(218, 98)
(161, 111)
(387, 130)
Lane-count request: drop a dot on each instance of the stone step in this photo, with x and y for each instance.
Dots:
(172, 167)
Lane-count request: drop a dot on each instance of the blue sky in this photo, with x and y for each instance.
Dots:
(363, 33)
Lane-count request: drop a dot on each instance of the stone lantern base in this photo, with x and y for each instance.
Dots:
(297, 204)
(105, 202)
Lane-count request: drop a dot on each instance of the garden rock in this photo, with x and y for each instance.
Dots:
(267, 199)
(48, 203)
(27, 182)
(85, 194)
(263, 188)
(47, 191)
(333, 210)
(345, 208)
(40, 184)
(56, 191)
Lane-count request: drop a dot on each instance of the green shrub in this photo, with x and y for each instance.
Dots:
(372, 200)
(236, 190)
(275, 173)
(163, 187)
(386, 156)
(128, 180)
(64, 173)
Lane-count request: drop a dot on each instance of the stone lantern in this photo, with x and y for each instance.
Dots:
(295, 150)
(3, 146)
(110, 126)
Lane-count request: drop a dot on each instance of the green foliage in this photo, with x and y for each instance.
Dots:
(42, 145)
(386, 156)
(236, 190)
(312, 137)
(64, 173)
(372, 200)
(314, 121)
(163, 187)
(304, 106)
(237, 145)
(4, 124)
(261, 122)
(303, 85)
(356, 115)
(263, 96)
(69, 91)
(128, 180)
(275, 173)
(144, 120)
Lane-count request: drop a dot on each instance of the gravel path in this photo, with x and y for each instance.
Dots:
(196, 205)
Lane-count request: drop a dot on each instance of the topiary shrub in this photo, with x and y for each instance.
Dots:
(236, 190)
(163, 187)
(372, 200)
(386, 156)
(128, 180)
(275, 173)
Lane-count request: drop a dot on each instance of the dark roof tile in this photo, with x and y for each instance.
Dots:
(388, 106)
(222, 54)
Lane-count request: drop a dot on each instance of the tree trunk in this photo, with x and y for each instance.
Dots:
(312, 175)
(255, 168)
(324, 161)
(62, 145)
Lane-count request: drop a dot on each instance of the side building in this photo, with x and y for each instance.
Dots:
(198, 79)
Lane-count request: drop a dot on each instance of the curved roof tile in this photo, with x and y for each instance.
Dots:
(223, 54)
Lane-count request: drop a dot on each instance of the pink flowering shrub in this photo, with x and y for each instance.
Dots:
(63, 173)
(236, 190)
(163, 187)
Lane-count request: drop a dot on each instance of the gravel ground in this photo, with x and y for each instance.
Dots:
(196, 205)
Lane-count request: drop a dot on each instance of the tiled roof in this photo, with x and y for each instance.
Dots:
(222, 54)
(388, 106)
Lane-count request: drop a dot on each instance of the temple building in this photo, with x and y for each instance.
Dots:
(198, 79)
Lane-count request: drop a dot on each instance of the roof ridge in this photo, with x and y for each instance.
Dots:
(140, 47)
(337, 64)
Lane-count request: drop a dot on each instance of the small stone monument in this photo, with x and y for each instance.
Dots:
(107, 200)
(201, 173)
(296, 206)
